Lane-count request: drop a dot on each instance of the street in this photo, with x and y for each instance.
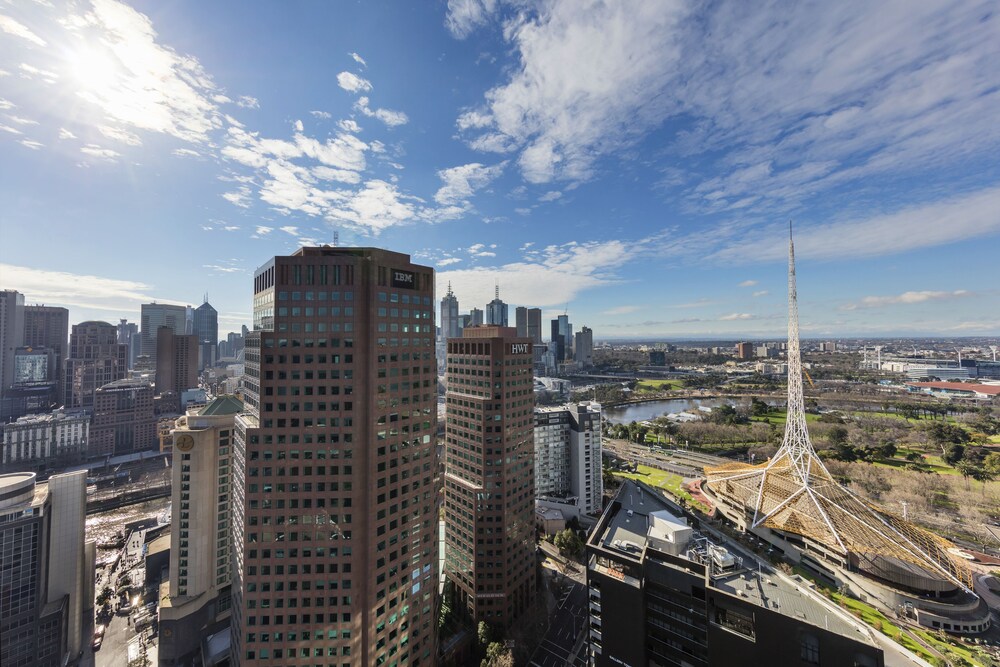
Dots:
(566, 629)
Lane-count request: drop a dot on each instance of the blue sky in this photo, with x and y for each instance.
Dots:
(636, 163)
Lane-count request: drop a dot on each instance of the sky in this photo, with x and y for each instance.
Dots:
(634, 164)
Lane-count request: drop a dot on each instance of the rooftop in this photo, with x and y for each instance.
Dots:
(989, 389)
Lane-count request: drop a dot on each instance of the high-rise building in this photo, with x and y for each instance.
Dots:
(197, 598)
(43, 566)
(521, 321)
(206, 330)
(95, 359)
(48, 327)
(37, 442)
(583, 350)
(496, 311)
(156, 315)
(562, 334)
(128, 334)
(11, 335)
(124, 420)
(334, 500)
(450, 321)
(568, 454)
(176, 361)
(534, 326)
(475, 317)
(489, 474)
(744, 351)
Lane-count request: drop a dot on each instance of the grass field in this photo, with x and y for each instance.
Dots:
(660, 479)
(659, 385)
(780, 416)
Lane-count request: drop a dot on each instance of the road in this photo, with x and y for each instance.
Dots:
(566, 628)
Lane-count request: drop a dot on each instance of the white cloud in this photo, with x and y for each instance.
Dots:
(23, 121)
(748, 283)
(118, 134)
(387, 116)
(240, 197)
(185, 152)
(961, 217)
(461, 182)
(448, 261)
(322, 114)
(464, 16)
(29, 143)
(6, 104)
(349, 125)
(736, 316)
(551, 195)
(75, 291)
(66, 134)
(762, 292)
(8, 128)
(12, 27)
(377, 206)
(94, 150)
(248, 102)
(353, 83)
(358, 59)
(32, 72)
(907, 298)
(294, 231)
(298, 126)
(263, 231)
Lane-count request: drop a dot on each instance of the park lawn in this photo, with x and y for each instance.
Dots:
(937, 464)
(661, 479)
(876, 619)
(779, 417)
(924, 465)
(961, 650)
(659, 385)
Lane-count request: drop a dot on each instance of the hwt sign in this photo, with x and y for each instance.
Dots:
(519, 348)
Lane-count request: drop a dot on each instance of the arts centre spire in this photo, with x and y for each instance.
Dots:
(793, 492)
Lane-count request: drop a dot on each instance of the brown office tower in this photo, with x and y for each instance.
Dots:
(334, 503)
(489, 474)
(176, 361)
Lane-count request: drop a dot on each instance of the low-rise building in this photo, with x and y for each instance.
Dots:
(662, 592)
(37, 442)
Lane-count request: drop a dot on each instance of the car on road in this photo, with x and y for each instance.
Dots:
(98, 637)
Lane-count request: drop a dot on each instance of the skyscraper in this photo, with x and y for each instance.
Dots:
(489, 474)
(206, 329)
(534, 328)
(583, 350)
(156, 315)
(11, 335)
(176, 361)
(521, 321)
(48, 327)
(128, 334)
(496, 311)
(450, 322)
(124, 421)
(334, 519)
(95, 359)
(475, 317)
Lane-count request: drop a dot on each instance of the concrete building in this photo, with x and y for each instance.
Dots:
(11, 335)
(176, 361)
(33, 365)
(489, 475)
(43, 569)
(583, 350)
(568, 474)
(663, 593)
(37, 442)
(205, 327)
(95, 359)
(496, 311)
(156, 315)
(334, 499)
(451, 324)
(744, 351)
(48, 327)
(124, 421)
(195, 601)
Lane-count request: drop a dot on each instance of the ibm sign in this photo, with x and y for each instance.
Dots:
(406, 279)
(520, 348)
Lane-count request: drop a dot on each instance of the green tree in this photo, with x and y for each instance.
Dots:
(992, 462)
(943, 434)
(837, 436)
(497, 655)
(887, 450)
(484, 633)
(759, 408)
(966, 469)
(568, 542)
(953, 454)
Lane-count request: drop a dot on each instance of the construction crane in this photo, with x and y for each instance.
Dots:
(806, 373)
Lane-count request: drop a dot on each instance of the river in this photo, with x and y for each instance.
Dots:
(637, 412)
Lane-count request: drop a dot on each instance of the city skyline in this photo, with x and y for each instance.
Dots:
(639, 164)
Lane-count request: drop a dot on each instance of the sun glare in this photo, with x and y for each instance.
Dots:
(94, 67)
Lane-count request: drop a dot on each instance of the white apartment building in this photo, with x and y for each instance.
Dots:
(568, 473)
(36, 441)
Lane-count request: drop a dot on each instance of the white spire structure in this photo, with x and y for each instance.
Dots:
(793, 492)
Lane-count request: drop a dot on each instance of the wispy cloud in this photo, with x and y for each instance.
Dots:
(248, 102)
(118, 134)
(464, 16)
(387, 116)
(907, 298)
(621, 310)
(358, 59)
(29, 143)
(12, 27)
(748, 283)
(93, 150)
(736, 316)
(461, 183)
(73, 290)
(762, 292)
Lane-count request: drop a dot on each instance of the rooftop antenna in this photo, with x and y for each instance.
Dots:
(497, 289)
(959, 350)
(336, 239)
(993, 349)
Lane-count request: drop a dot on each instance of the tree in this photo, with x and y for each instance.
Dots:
(953, 454)
(497, 655)
(943, 434)
(568, 542)
(992, 463)
(759, 408)
(983, 475)
(887, 450)
(837, 436)
(484, 633)
(966, 469)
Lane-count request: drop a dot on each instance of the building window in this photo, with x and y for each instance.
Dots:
(809, 649)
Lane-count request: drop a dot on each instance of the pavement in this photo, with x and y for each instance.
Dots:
(565, 641)
(121, 642)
